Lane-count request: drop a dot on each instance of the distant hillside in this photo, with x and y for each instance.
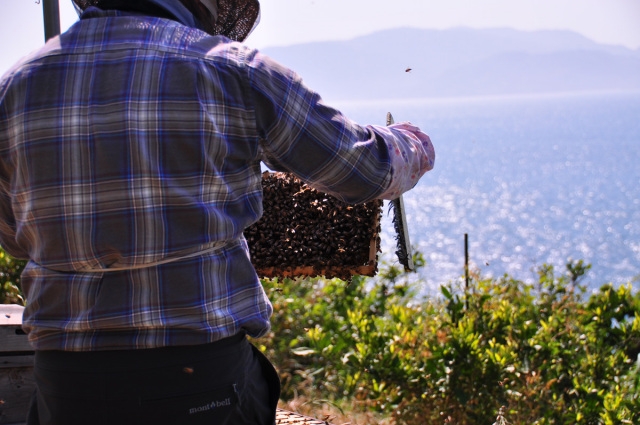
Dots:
(460, 62)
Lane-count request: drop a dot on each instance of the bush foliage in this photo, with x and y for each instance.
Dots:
(503, 352)
(10, 270)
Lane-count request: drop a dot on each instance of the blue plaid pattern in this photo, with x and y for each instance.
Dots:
(130, 151)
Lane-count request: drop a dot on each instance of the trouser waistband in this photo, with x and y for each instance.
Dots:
(113, 360)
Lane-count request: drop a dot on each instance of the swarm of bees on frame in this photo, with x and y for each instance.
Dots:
(304, 232)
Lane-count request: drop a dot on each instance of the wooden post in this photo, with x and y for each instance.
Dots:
(51, 14)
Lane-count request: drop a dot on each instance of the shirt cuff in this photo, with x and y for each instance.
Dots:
(411, 153)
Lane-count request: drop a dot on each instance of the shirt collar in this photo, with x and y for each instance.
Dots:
(171, 9)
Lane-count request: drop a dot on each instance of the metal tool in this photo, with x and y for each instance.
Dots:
(403, 244)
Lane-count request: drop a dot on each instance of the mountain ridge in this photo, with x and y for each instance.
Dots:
(461, 61)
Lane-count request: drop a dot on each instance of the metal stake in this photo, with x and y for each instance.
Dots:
(466, 269)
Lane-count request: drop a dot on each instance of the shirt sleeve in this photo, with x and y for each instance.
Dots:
(7, 219)
(318, 144)
(8, 228)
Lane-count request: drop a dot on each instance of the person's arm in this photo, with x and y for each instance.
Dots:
(331, 153)
(7, 219)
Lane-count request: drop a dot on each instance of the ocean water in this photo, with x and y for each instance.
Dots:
(530, 179)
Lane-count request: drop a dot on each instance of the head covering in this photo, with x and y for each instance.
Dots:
(235, 19)
(212, 7)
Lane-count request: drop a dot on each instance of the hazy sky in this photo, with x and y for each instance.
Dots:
(295, 21)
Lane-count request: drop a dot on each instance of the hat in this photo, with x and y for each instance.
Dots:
(234, 19)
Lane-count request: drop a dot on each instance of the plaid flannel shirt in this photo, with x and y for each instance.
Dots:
(130, 151)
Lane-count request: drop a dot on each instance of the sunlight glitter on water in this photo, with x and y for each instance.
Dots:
(530, 180)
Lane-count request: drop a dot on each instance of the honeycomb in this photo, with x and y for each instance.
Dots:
(304, 232)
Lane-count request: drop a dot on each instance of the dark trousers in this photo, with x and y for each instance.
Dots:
(226, 382)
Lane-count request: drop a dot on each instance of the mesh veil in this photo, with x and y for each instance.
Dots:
(236, 18)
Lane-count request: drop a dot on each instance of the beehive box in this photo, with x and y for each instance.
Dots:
(304, 232)
(17, 383)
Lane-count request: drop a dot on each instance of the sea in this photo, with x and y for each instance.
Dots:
(530, 179)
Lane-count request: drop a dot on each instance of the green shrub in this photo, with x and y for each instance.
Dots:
(541, 353)
(10, 270)
(506, 351)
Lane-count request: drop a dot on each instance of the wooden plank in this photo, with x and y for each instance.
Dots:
(16, 388)
(284, 417)
(14, 341)
(12, 362)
